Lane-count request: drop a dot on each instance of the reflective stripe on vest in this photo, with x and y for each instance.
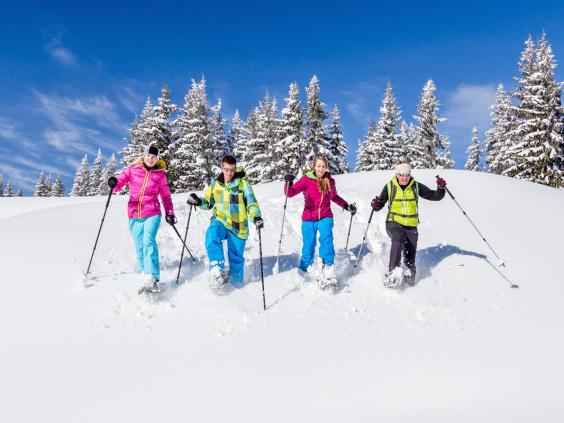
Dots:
(402, 204)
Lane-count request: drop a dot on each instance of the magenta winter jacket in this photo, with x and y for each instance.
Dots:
(144, 188)
(317, 204)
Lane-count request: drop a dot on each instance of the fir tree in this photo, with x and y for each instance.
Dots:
(196, 158)
(435, 144)
(316, 140)
(250, 130)
(218, 130)
(365, 159)
(339, 149)
(109, 170)
(58, 189)
(162, 132)
(537, 145)
(40, 186)
(498, 139)
(80, 186)
(95, 175)
(236, 137)
(290, 149)
(142, 133)
(20, 193)
(386, 149)
(9, 190)
(1, 186)
(474, 153)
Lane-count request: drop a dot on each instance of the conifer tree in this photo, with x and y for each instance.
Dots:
(236, 138)
(386, 149)
(316, 140)
(19, 193)
(1, 185)
(58, 189)
(9, 190)
(365, 157)
(40, 186)
(109, 170)
(498, 139)
(218, 130)
(474, 153)
(339, 149)
(81, 181)
(290, 148)
(95, 174)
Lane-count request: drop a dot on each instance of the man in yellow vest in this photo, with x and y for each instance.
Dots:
(402, 195)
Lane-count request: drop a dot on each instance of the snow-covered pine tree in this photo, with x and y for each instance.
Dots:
(8, 190)
(218, 130)
(48, 186)
(365, 159)
(435, 144)
(162, 131)
(58, 189)
(19, 193)
(1, 186)
(316, 139)
(196, 158)
(40, 186)
(261, 160)
(109, 170)
(81, 181)
(537, 147)
(141, 134)
(498, 138)
(250, 130)
(95, 174)
(236, 138)
(386, 149)
(474, 153)
(291, 142)
(339, 149)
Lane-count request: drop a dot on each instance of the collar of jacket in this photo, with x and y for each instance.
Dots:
(160, 165)
(311, 174)
(239, 174)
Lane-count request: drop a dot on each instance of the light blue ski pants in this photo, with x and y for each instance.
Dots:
(310, 228)
(144, 232)
(215, 235)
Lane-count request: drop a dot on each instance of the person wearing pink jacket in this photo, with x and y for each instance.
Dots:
(319, 190)
(147, 181)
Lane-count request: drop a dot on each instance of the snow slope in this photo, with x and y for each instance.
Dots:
(461, 345)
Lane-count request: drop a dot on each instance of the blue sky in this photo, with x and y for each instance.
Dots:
(73, 78)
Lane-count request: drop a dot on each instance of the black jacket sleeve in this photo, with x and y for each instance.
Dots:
(429, 194)
(383, 197)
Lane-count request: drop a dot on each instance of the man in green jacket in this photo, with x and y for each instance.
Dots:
(233, 201)
(402, 195)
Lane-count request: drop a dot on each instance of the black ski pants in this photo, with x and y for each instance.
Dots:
(404, 240)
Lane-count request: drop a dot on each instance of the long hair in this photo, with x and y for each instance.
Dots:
(323, 182)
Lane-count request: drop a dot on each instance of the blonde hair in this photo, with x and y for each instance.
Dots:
(323, 183)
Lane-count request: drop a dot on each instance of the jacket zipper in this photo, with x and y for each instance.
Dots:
(142, 194)
(319, 208)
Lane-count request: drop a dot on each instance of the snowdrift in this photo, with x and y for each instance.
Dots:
(461, 345)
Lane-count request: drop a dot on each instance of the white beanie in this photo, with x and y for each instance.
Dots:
(403, 168)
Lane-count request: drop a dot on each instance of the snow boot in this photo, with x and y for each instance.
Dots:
(327, 278)
(394, 278)
(217, 278)
(151, 285)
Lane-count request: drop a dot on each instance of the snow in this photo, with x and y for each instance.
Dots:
(459, 346)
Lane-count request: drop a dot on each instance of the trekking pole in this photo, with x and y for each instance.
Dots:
(261, 270)
(185, 238)
(363, 239)
(182, 241)
(349, 233)
(99, 230)
(281, 230)
(501, 262)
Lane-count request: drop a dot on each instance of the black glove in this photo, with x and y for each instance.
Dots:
(112, 182)
(170, 219)
(289, 178)
(377, 203)
(194, 200)
(351, 208)
(259, 223)
(441, 183)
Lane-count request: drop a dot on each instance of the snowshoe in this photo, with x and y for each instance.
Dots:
(393, 279)
(152, 286)
(217, 278)
(327, 279)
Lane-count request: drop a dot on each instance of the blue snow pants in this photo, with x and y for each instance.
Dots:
(215, 234)
(309, 236)
(144, 232)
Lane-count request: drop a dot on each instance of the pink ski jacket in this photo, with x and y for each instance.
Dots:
(144, 188)
(317, 204)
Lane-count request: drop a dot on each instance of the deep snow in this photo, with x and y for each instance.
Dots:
(459, 346)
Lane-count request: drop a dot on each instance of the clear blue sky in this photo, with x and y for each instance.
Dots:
(73, 77)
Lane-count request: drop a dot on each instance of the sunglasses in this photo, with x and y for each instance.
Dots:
(404, 175)
(229, 169)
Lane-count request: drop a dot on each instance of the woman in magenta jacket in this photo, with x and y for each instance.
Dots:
(319, 190)
(147, 181)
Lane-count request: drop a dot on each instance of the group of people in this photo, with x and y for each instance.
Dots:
(231, 197)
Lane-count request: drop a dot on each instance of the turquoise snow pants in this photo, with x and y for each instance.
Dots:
(309, 236)
(144, 232)
(215, 234)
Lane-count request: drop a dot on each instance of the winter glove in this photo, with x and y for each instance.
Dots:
(441, 183)
(170, 219)
(377, 203)
(351, 208)
(289, 178)
(112, 182)
(194, 200)
(259, 223)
